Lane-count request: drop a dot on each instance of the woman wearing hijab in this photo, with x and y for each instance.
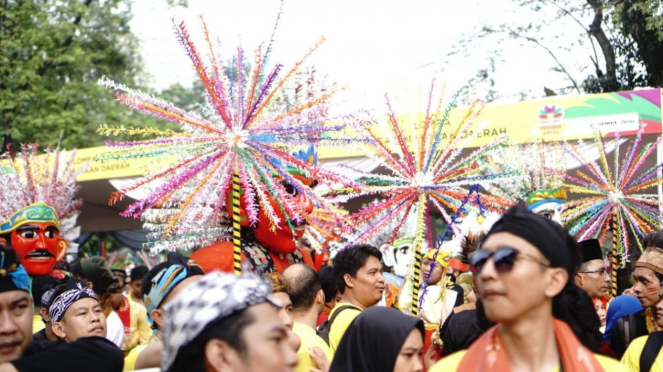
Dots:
(381, 339)
(524, 267)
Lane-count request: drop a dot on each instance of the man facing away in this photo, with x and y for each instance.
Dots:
(308, 302)
(358, 273)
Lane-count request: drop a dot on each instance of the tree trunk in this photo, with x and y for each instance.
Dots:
(609, 79)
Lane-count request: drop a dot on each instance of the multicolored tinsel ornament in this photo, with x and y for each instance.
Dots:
(426, 169)
(324, 228)
(251, 124)
(26, 179)
(616, 196)
(533, 161)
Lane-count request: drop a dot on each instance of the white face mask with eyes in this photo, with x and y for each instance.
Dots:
(552, 210)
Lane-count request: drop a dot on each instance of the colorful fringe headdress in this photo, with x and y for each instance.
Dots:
(251, 121)
(540, 164)
(40, 189)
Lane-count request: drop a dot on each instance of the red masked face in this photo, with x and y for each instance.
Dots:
(283, 239)
(38, 246)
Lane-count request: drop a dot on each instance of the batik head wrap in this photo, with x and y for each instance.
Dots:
(74, 290)
(215, 296)
(162, 278)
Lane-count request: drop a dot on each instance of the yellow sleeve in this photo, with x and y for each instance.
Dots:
(144, 329)
(631, 358)
(130, 359)
(340, 325)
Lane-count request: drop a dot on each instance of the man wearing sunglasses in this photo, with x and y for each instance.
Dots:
(526, 263)
(592, 276)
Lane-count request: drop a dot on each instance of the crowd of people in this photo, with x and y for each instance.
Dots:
(536, 301)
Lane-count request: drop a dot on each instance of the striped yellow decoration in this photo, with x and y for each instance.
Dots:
(418, 241)
(614, 260)
(237, 240)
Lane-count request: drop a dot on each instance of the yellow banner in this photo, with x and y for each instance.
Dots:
(553, 119)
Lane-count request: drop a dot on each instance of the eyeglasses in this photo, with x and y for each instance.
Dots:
(503, 259)
(602, 271)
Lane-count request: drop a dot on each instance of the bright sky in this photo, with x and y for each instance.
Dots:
(372, 46)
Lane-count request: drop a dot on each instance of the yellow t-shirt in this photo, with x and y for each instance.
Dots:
(631, 358)
(451, 363)
(341, 324)
(309, 339)
(37, 324)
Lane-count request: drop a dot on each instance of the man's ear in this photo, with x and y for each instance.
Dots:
(578, 279)
(4, 241)
(557, 281)
(58, 329)
(219, 356)
(320, 297)
(157, 316)
(348, 280)
(44, 314)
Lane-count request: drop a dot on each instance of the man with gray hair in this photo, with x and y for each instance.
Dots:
(225, 322)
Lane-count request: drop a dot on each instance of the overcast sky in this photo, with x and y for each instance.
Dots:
(372, 46)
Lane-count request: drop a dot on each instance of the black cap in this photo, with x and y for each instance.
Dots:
(591, 250)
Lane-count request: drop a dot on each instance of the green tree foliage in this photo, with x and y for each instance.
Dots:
(621, 39)
(52, 52)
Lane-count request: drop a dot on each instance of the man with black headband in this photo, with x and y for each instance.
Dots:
(76, 312)
(96, 274)
(17, 353)
(526, 263)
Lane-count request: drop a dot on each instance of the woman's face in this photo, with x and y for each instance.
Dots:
(600, 310)
(409, 358)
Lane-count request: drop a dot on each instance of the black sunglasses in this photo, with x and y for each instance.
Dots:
(503, 259)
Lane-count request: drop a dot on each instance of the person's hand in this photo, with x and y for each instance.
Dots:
(320, 359)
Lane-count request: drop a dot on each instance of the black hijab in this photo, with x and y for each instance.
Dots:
(373, 341)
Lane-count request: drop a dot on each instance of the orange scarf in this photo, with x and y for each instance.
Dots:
(488, 354)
